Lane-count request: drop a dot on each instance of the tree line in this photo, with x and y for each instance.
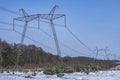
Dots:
(31, 56)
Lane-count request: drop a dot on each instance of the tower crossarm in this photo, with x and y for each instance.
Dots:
(42, 16)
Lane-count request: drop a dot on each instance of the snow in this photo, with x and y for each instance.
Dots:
(100, 75)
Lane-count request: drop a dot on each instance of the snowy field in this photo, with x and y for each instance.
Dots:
(101, 75)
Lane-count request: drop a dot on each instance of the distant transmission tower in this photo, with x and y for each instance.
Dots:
(51, 16)
(105, 50)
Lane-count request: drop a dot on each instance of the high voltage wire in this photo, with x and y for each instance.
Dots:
(4, 9)
(76, 37)
(11, 24)
(6, 23)
(10, 11)
(38, 42)
(13, 12)
(32, 40)
(62, 43)
(5, 29)
(54, 24)
(79, 39)
(35, 40)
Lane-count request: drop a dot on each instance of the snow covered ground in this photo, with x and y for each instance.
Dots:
(101, 75)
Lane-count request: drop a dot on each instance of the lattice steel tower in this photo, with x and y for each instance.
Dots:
(50, 17)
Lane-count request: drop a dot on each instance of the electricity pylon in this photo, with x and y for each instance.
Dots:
(105, 50)
(50, 17)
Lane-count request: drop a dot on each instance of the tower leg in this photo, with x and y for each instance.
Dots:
(55, 38)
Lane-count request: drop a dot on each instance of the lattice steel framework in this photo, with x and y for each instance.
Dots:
(50, 17)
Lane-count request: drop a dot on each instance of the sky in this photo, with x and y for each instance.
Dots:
(95, 22)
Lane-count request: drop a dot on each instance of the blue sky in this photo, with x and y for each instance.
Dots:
(95, 22)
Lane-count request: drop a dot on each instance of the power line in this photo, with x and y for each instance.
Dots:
(11, 24)
(7, 23)
(35, 41)
(4, 9)
(13, 12)
(5, 29)
(78, 39)
(50, 23)
(62, 43)
(10, 11)
(38, 42)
